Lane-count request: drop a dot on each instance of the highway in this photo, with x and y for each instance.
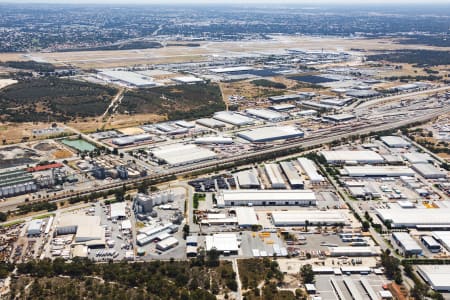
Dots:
(317, 140)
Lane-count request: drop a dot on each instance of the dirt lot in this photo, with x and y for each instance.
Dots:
(15, 132)
(101, 59)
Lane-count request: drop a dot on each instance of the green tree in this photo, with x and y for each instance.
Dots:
(307, 274)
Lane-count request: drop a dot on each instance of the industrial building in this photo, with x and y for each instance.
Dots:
(185, 124)
(273, 173)
(339, 118)
(291, 173)
(167, 244)
(352, 157)
(214, 140)
(417, 157)
(283, 98)
(16, 182)
(282, 107)
(187, 80)
(225, 243)
(131, 139)
(443, 237)
(429, 171)
(247, 179)
(181, 154)
(87, 229)
(406, 243)
(431, 244)
(127, 78)
(118, 211)
(312, 217)
(151, 233)
(362, 93)
(353, 251)
(265, 197)
(270, 134)
(266, 114)
(233, 118)
(210, 123)
(35, 227)
(437, 276)
(421, 218)
(336, 101)
(393, 141)
(377, 171)
(310, 170)
(246, 217)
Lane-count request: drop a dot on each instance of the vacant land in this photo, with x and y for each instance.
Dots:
(174, 102)
(419, 57)
(53, 99)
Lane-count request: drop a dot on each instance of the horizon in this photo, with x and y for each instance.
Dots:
(232, 2)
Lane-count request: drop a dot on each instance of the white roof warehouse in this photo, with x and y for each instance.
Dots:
(360, 157)
(265, 197)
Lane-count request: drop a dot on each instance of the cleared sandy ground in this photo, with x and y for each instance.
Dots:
(5, 82)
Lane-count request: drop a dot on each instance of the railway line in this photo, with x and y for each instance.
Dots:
(322, 138)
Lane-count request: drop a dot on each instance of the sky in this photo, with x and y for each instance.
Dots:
(316, 2)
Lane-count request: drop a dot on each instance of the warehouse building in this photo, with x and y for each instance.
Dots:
(225, 243)
(443, 237)
(270, 134)
(181, 154)
(273, 173)
(132, 139)
(421, 218)
(437, 276)
(266, 197)
(266, 114)
(87, 229)
(310, 170)
(118, 211)
(406, 243)
(353, 157)
(217, 140)
(282, 107)
(187, 80)
(246, 217)
(294, 179)
(431, 244)
(336, 101)
(35, 227)
(393, 141)
(417, 157)
(167, 244)
(377, 171)
(185, 124)
(247, 180)
(233, 118)
(429, 171)
(339, 118)
(317, 105)
(362, 93)
(312, 217)
(284, 98)
(353, 251)
(210, 123)
(127, 78)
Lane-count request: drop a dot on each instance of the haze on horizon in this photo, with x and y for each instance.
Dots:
(211, 2)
